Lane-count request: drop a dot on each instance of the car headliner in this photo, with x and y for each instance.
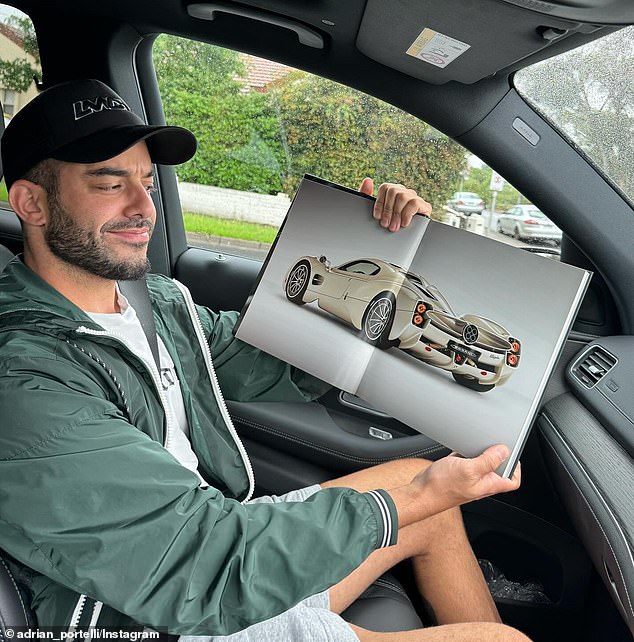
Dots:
(445, 105)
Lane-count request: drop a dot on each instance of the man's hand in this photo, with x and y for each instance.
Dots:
(395, 204)
(454, 480)
(451, 482)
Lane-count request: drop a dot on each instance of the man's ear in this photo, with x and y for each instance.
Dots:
(28, 201)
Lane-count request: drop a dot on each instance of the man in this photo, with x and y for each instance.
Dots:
(124, 487)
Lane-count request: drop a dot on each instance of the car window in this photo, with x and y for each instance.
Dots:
(589, 96)
(261, 125)
(361, 267)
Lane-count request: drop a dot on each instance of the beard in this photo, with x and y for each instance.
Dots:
(87, 250)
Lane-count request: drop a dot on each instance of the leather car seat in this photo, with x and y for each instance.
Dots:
(14, 609)
(5, 256)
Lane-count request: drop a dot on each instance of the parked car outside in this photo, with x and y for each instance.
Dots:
(526, 222)
(466, 203)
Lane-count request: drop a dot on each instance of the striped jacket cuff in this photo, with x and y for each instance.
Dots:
(386, 515)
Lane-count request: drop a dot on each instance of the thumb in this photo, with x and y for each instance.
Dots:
(491, 458)
(367, 186)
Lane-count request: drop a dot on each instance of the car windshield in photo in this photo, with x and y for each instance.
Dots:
(588, 94)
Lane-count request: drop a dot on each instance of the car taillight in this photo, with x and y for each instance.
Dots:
(512, 359)
(530, 221)
(418, 318)
(481, 203)
(459, 202)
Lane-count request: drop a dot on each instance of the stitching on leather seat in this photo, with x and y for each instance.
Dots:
(17, 590)
(331, 451)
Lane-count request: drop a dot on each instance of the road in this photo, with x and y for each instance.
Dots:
(255, 250)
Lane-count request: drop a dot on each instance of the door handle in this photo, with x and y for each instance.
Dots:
(306, 35)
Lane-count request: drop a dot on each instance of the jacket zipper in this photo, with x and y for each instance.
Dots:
(152, 368)
(74, 620)
(200, 335)
(96, 612)
(77, 613)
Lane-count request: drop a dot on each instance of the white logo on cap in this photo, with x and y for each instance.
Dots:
(89, 106)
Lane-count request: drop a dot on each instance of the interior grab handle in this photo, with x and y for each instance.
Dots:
(207, 11)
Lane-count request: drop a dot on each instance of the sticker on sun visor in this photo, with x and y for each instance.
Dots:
(436, 49)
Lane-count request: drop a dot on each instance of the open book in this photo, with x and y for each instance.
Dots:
(452, 333)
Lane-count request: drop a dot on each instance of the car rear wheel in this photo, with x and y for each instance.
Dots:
(378, 320)
(297, 282)
(473, 384)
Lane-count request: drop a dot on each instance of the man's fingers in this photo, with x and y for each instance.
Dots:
(412, 207)
(491, 458)
(367, 186)
(397, 205)
(377, 212)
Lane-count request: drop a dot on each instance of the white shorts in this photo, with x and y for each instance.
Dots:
(309, 621)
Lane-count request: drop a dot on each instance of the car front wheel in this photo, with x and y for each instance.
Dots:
(297, 282)
(378, 320)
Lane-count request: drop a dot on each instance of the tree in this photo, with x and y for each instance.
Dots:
(345, 135)
(303, 123)
(589, 94)
(479, 181)
(18, 74)
(238, 142)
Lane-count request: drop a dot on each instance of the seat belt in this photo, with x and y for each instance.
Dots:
(137, 294)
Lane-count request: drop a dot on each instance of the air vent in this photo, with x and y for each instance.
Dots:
(593, 366)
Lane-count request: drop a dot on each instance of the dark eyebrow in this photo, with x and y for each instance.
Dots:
(113, 171)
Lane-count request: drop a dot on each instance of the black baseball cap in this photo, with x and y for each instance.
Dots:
(85, 121)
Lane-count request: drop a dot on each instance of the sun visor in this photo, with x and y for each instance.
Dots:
(454, 40)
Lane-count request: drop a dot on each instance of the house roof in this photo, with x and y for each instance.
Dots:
(11, 34)
(261, 72)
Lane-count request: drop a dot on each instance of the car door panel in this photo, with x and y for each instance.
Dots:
(333, 292)
(593, 474)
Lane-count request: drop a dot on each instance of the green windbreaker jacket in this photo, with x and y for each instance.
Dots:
(104, 526)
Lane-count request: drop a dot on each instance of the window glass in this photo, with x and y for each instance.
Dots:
(588, 94)
(261, 125)
(361, 267)
(19, 62)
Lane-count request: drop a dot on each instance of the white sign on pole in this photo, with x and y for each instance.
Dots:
(497, 182)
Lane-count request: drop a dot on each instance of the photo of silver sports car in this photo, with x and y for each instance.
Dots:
(393, 307)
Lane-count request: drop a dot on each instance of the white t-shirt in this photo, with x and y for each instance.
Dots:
(127, 324)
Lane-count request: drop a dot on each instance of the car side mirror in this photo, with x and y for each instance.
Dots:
(325, 261)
